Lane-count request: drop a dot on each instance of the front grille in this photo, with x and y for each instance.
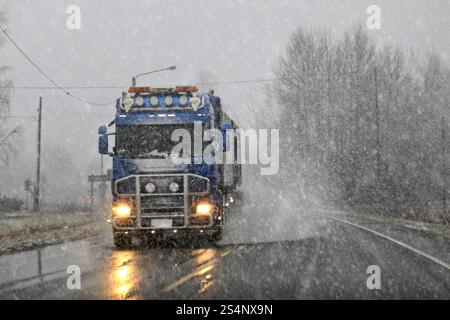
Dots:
(199, 221)
(162, 203)
(161, 183)
(126, 186)
(157, 202)
(162, 206)
(196, 184)
(162, 212)
(126, 223)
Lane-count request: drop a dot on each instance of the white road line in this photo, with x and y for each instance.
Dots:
(424, 254)
(97, 245)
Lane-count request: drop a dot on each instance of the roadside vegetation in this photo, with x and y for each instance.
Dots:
(365, 125)
(24, 232)
(8, 130)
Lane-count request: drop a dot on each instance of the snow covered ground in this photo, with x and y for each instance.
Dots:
(19, 231)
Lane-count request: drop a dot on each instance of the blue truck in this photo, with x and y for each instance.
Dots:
(154, 196)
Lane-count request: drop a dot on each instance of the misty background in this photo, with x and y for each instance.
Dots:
(208, 41)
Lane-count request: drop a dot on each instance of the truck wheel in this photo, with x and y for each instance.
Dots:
(122, 240)
(217, 236)
(238, 197)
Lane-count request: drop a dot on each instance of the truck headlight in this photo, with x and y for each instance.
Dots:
(121, 210)
(154, 101)
(203, 209)
(168, 100)
(196, 103)
(183, 100)
(150, 187)
(139, 101)
(127, 103)
(174, 187)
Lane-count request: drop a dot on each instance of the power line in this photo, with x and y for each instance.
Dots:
(64, 89)
(231, 82)
(2, 117)
(239, 81)
(20, 117)
(56, 85)
(14, 131)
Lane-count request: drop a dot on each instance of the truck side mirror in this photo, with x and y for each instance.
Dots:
(102, 130)
(103, 144)
(224, 126)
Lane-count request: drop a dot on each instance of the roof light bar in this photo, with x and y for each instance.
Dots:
(139, 89)
(186, 89)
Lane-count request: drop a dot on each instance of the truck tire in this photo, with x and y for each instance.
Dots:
(217, 236)
(122, 240)
(239, 197)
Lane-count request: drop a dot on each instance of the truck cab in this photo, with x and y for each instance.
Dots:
(164, 182)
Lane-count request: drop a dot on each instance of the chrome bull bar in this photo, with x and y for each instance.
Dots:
(140, 196)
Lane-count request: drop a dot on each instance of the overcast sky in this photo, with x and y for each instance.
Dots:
(231, 40)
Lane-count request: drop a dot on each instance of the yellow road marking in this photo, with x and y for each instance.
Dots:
(224, 254)
(189, 276)
(198, 272)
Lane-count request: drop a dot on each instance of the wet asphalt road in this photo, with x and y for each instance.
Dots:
(316, 257)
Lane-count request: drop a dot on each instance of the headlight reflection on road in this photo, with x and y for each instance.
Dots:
(123, 280)
(123, 273)
(206, 282)
(203, 263)
(206, 262)
(205, 256)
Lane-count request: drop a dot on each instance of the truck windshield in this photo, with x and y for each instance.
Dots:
(149, 141)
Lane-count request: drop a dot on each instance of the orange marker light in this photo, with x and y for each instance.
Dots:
(186, 89)
(139, 89)
(162, 90)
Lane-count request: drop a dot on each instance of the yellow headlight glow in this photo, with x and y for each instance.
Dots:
(203, 209)
(122, 210)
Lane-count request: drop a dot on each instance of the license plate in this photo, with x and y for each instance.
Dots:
(162, 223)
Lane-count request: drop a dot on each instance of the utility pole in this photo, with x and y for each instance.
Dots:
(38, 165)
(28, 189)
(444, 168)
(91, 196)
(377, 123)
(102, 187)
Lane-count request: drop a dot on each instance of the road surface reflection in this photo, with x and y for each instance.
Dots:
(124, 277)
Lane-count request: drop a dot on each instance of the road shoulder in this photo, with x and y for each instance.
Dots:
(19, 233)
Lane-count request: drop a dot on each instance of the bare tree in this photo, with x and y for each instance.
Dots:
(7, 132)
(367, 119)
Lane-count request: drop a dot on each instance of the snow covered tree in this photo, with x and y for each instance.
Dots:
(6, 131)
(366, 119)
